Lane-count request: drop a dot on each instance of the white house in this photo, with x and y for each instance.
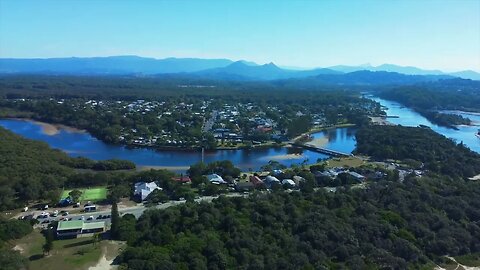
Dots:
(288, 182)
(271, 180)
(215, 179)
(143, 189)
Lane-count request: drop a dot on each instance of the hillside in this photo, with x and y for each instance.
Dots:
(114, 65)
(31, 170)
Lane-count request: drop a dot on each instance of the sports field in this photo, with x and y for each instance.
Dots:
(89, 194)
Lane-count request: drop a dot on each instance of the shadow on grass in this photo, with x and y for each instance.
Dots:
(86, 242)
(36, 257)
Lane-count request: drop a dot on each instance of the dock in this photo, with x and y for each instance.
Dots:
(322, 150)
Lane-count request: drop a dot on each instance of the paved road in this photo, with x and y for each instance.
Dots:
(137, 211)
(209, 123)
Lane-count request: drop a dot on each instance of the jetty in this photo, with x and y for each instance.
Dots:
(322, 150)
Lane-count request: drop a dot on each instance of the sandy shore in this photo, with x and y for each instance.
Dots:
(52, 129)
(170, 168)
(319, 142)
(285, 157)
(382, 121)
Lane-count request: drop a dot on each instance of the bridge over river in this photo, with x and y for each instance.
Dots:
(322, 150)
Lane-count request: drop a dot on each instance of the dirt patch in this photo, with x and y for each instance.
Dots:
(103, 264)
(319, 142)
(380, 121)
(171, 168)
(285, 157)
(110, 250)
(19, 249)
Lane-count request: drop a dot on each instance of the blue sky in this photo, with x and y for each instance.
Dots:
(440, 34)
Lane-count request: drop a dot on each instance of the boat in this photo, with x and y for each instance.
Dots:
(478, 134)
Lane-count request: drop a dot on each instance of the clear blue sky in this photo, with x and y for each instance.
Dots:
(443, 34)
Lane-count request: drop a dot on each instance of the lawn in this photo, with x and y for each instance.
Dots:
(72, 254)
(89, 194)
(345, 162)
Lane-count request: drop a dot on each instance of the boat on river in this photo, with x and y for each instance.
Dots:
(478, 134)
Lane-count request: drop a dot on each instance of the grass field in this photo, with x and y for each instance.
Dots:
(89, 194)
(72, 254)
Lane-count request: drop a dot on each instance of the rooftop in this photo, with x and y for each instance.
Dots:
(79, 224)
(70, 225)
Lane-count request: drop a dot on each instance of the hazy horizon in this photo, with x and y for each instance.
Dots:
(443, 35)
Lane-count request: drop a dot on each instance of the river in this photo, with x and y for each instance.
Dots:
(80, 143)
(408, 117)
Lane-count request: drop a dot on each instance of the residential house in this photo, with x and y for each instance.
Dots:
(215, 179)
(143, 189)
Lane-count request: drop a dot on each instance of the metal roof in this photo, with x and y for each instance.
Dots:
(79, 225)
(94, 225)
(70, 225)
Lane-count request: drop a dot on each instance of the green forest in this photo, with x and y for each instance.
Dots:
(30, 170)
(439, 154)
(11, 230)
(389, 225)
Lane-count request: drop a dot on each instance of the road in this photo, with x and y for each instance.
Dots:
(209, 123)
(137, 211)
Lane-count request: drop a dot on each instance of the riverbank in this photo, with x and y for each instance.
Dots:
(85, 145)
(319, 129)
(48, 128)
(380, 120)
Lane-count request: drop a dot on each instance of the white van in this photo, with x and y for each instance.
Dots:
(90, 208)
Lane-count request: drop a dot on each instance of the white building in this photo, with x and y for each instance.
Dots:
(215, 179)
(143, 189)
(288, 182)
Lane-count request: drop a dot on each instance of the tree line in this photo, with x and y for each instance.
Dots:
(389, 225)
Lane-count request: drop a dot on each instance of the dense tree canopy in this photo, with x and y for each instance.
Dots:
(31, 170)
(10, 230)
(389, 225)
(439, 154)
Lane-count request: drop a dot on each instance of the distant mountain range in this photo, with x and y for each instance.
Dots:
(219, 69)
(240, 70)
(113, 65)
(408, 70)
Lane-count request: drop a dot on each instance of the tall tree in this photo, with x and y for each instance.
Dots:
(115, 221)
(75, 195)
(47, 247)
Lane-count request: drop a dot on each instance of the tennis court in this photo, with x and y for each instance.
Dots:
(89, 194)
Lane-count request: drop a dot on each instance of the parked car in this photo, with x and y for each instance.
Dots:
(90, 218)
(65, 213)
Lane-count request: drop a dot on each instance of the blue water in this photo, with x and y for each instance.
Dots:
(83, 144)
(408, 117)
(339, 139)
(342, 139)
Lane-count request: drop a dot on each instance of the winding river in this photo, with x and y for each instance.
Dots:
(79, 143)
(408, 117)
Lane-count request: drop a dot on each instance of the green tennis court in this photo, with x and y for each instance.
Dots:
(89, 194)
